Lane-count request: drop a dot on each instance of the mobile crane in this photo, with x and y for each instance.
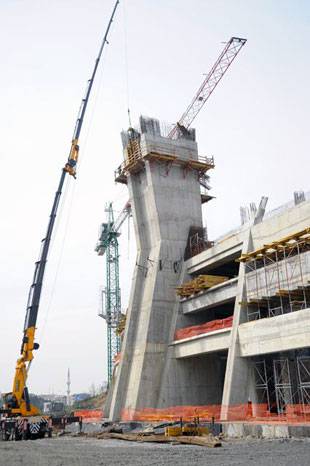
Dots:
(21, 419)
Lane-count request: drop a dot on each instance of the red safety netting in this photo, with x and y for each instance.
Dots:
(194, 330)
(247, 412)
(171, 414)
(89, 415)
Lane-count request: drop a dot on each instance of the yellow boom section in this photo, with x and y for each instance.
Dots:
(21, 376)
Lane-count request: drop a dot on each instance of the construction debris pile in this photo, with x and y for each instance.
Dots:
(178, 432)
(203, 441)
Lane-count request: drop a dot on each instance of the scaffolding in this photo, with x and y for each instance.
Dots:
(261, 383)
(303, 368)
(135, 162)
(278, 277)
(282, 383)
(150, 143)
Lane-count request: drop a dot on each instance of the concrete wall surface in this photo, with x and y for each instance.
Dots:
(275, 334)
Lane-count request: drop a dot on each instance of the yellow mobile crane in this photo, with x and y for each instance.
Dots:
(18, 414)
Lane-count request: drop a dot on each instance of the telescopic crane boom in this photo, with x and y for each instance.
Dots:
(17, 402)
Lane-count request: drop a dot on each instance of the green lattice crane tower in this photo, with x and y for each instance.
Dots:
(111, 295)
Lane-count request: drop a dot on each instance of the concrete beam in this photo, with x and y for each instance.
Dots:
(219, 294)
(202, 344)
(275, 225)
(274, 334)
(237, 380)
(228, 248)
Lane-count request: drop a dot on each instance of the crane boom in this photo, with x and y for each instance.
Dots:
(17, 402)
(122, 216)
(231, 50)
(111, 228)
(73, 156)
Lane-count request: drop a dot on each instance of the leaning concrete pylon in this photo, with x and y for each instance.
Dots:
(163, 182)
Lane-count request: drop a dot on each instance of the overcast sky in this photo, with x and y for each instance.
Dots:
(256, 124)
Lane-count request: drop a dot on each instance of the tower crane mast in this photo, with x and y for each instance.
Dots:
(111, 306)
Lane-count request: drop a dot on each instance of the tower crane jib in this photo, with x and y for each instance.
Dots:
(231, 50)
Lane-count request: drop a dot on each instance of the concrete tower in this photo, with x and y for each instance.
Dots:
(162, 175)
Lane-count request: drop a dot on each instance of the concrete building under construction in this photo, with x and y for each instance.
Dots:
(214, 329)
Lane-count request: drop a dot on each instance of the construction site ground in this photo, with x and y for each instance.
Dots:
(81, 451)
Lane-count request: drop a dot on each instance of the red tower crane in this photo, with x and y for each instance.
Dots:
(231, 50)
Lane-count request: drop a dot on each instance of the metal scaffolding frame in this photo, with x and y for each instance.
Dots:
(261, 382)
(283, 384)
(303, 370)
(278, 277)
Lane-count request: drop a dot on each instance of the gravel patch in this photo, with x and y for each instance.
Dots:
(81, 451)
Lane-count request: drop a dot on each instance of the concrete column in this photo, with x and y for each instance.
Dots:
(238, 378)
(166, 202)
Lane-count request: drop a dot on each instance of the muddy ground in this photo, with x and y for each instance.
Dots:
(74, 451)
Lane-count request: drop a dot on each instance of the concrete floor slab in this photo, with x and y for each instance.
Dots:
(218, 340)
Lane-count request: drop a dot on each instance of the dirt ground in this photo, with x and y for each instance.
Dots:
(74, 451)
